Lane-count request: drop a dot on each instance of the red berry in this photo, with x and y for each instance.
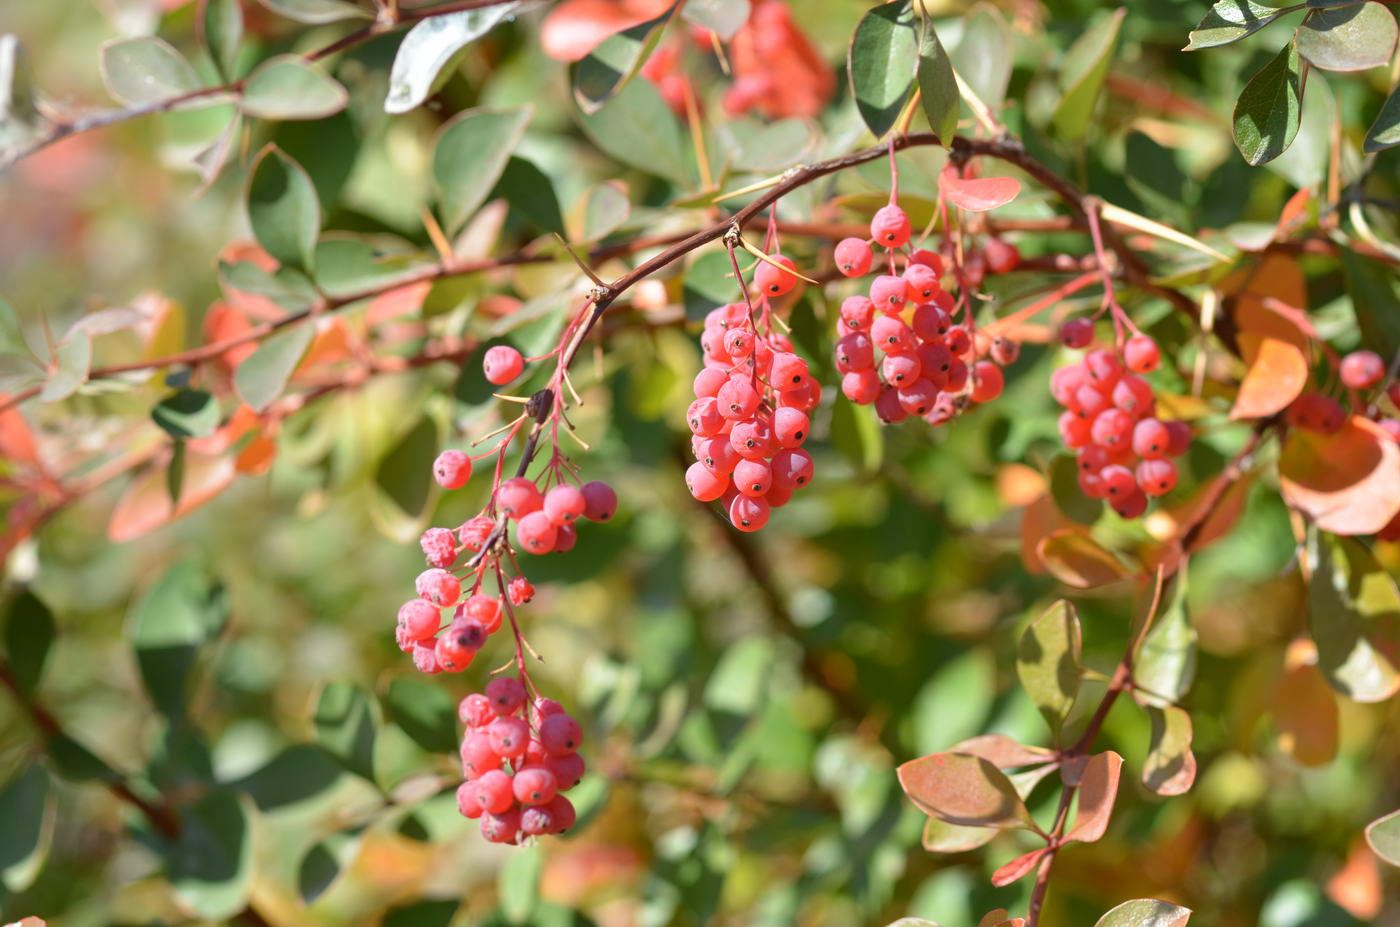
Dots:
(506, 695)
(536, 533)
(477, 756)
(790, 427)
(501, 828)
(1118, 481)
(543, 708)
(935, 362)
(475, 531)
(987, 381)
(717, 455)
(891, 335)
(520, 590)
(1075, 431)
(1141, 355)
(536, 822)
(1156, 477)
(890, 227)
(439, 587)
(900, 369)
(792, 469)
(452, 469)
(753, 477)
(708, 381)
(1131, 505)
(1151, 439)
(1362, 370)
(853, 257)
(751, 440)
(928, 259)
(1005, 351)
(1180, 438)
(502, 364)
(494, 791)
(509, 736)
(855, 352)
(534, 785)
(1077, 333)
(425, 657)
(518, 497)
(888, 406)
(775, 281)
(789, 372)
(920, 283)
(857, 312)
(1002, 257)
(889, 293)
(565, 538)
(1133, 395)
(560, 734)
(704, 484)
(452, 650)
(860, 386)
(931, 323)
(747, 513)
(1112, 428)
(738, 399)
(485, 610)
(439, 547)
(957, 376)
(599, 501)
(420, 619)
(738, 343)
(918, 397)
(564, 504)
(561, 812)
(1066, 381)
(1104, 369)
(958, 340)
(1092, 485)
(474, 711)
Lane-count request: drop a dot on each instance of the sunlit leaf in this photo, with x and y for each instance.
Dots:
(964, 790)
(288, 87)
(1270, 108)
(1385, 131)
(1145, 912)
(1229, 21)
(1348, 38)
(220, 27)
(520, 884)
(1098, 789)
(263, 376)
(599, 212)
(639, 129)
(146, 504)
(146, 70)
(722, 17)
(1018, 868)
(1165, 665)
(72, 362)
(1170, 766)
(187, 413)
(317, 11)
(983, 57)
(883, 55)
(1002, 751)
(1354, 616)
(430, 49)
(1383, 836)
(1076, 559)
(1082, 74)
(1047, 662)
(1347, 482)
(938, 87)
(977, 194)
(942, 837)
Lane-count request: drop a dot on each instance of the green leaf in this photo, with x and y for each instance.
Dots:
(983, 57)
(1385, 131)
(317, 11)
(1383, 835)
(639, 129)
(1170, 766)
(767, 147)
(74, 761)
(430, 50)
(19, 371)
(187, 413)
(425, 712)
(722, 17)
(423, 914)
(210, 864)
(1229, 21)
(220, 31)
(27, 808)
(1348, 38)
(300, 773)
(290, 87)
(602, 209)
(1166, 663)
(283, 209)
(175, 473)
(883, 55)
(1047, 662)
(709, 282)
(938, 87)
(530, 191)
(1354, 616)
(262, 377)
(29, 635)
(856, 435)
(965, 790)
(1082, 75)
(348, 265)
(942, 837)
(287, 288)
(1069, 498)
(405, 473)
(617, 59)
(345, 726)
(184, 610)
(324, 863)
(72, 362)
(519, 884)
(1146, 912)
(20, 119)
(471, 152)
(1270, 108)
(1371, 286)
(146, 70)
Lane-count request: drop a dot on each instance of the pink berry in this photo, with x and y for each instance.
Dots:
(751, 440)
(1362, 370)
(452, 654)
(509, 736)
(534, 786)
(748, 513)
(564, 504)
(889, 293)
(452, 469)
(890, 227)
(857, 312)
(1151, 439)
(928, 259)
(931, 323)
(958, 340)
(536, 533)
(518, 497)
(474, 711)
(562, 812)
(853, 257)
(420, 619)
(536, 822)
(920, 283)
(520, 590)
(600, 502)
(738, 399)
(1066, 381)
(560, 734)
(506, 694)
(891, 335)
(987, 381)
(717, 455)
(704, 484)
(478, 757)
(790, 427)
(475, 531)
(753, 477)
(1156, 477)
(775, 281)
(485, 610)
(1005, 351)
(888, 407)
(918, 398)
(1118, 481)
(1133, 395)
(860, 386)
(792, 469)
(900, 369)
(957, 376)
(935, 363)
(855, 352)
(738, 343)
(1002, 257)
(1075, 432)
(425, 657)
(502, 364)
(789, 372)
(439, 547)
(467, 804)
(1104, 369)
(568, 769)
(1077, 333)
(1112, 428)
(1391, 426)
(708, 381)
(1141, 354)
(439, 587)
(501, 828)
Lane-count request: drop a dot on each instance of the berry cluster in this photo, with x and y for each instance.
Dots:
(1124, 452)
(927, 366)
(749, 418)
(518, 761)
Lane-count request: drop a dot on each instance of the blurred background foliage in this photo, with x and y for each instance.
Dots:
(745, 699)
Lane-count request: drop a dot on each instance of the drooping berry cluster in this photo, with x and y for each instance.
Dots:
(899, 347)
(1124, 452)
(749, 418)
(517, 760)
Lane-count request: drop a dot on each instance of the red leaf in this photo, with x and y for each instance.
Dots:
(1098, 788)
(963, 789)
(1018, 868)
(977, 194)
(576, 27)
(145, 506)
(1278, 371)
(16, 438)
(1267, 302)
(1347, 482)
(1002, 752)
(1076, 559)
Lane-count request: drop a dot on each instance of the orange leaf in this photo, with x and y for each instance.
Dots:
(1040, 519)
(223, 322)
(1076, 559)
(396, 303)
(1261, 296)
(1277, 373)
(1347, 482)
(1098, 788)
(1305, 711)
(146, 506)
(1356, 887)
(331, 344)
(1018, 868)
(257, 457)
(977, 194)
(16, 439)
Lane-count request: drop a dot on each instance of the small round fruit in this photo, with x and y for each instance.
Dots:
(775, 281)
(853, 257)
(1362, 370)
(1141, 354)
(452, 469)
(1077, 333)
(599, 501)
(502, 364)
(890, 227)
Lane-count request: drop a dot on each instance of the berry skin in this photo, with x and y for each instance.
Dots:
(1151, 439)
(857, 312)
(501, 828)
(502, 364)
(599, 501)
(775, 281)
(1065, 383)
(717, 455)
(474, 711)
(420, 619)
(900, 369)
(560, 734)
(439, 547)
(1112, 428)
(927, 258)
(861, 386)
(536, 533)
(494, 791)
(535, 786)
(509, 736)
(751, 440)
(919, 397)
(1092, 485)
(891, 335)
(921, 283)
(1002, 257)
(890, 227)
(957, 376)
(1141, 355)
(1005, 351)
(520, 590)
(790, 427)
(1104, 369)
(564, 504)
(935, 363)
(792, 469)
(889, 293)
(1133, 395)
(401, 638)
(708, 381)
(453, 654)
(704, 484)
(452, 469)
(931, 323)
(853, 257)
(1075, 432)
(1180, 438)
(536, 822)
(753, 477)
(561, 812)
(425, 658)
(789, 372)
(544, 707)
(485, 610)
(1118, 481)
(1156, 477)
(888, 406)
(738, 399)
(467, 804)
(1391, 426)
(439, 587)
(987, 381)
(958, 340)
(565, 538)
(855, 352)
(703, 417)
(1316, 412)
(474, 532)
(1131, 505)
(1077, 333)
(1362, 370)
(506, 695)
(518, 497)
(477, 756)
(738, 343)
(748, 513)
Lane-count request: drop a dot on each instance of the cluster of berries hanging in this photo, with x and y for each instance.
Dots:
(899, 347)
(1124, 452)
(518, 759)
(749, 418)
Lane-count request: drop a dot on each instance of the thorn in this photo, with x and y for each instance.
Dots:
(767, 260)
(581, 443)
(588, 271)
(520, 399)
(752, 188)
(718, 47)
(506, 427)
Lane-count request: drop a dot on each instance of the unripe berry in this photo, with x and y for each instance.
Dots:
(900, 369)
(789, 372)
(987, 381)
(920, 283)
(599, 501)
(439, 587)
(1151, 439)
(518, 497)
(1362, 370)
(452, 469)
(790, 427)
(753, 477)
(1002, 257)
(502, 364)
(853, 257)
(775, 281)
(420, 619)
(1077, 333)
(1141, 354)
(1156, 477)
(890, 227)
(860, 386)
(704, 484)
(439, 547)
(748, 513)
(564, 504)
(889, 293)
(506, 694)
(536, 533)
(738, 399)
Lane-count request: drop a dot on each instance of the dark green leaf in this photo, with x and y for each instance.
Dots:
(1348, 38)
(470, 154)
(261, 378)
(983, 57)
(29, 635)
(530, 191)
(422, 914)
(26, 807)
(1354, 615)
(1082, 75)
(1146, 912)
(430, 50)
(188, 413)
(185, 609)
(324, 863)
(146, 70)
(617, 59)
(181, 763)
(938, 87)
(210, 864)
(883, 55)
(426, 713)
(1069, 498)
(519, 884)
(1047, 662)
(72, 760)
(1229, 21)
(72, 362)
(405, 473)
(639, 129)
(317, 11)
(345, 726)
(1270, 108)
(283, 209)
(1385, 131)
(1371, 286)
(855, 433)
(220, 31)
(1166, 663)
(175, 473)
(289, 87)
(1383, 835)
(299, 773)
(287, 288)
